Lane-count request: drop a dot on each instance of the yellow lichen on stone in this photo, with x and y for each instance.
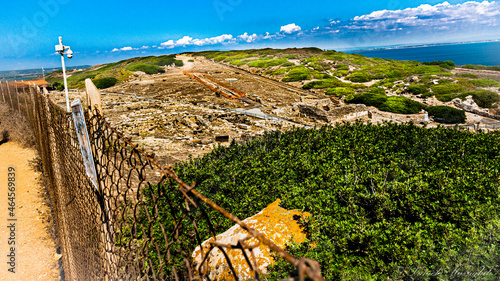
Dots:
(274, 222)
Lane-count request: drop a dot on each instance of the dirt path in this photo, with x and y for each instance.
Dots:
(35, 250)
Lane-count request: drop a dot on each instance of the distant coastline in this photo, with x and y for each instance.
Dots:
(393, 47)
(461, 53)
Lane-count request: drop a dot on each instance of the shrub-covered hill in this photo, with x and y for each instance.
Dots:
(385, 199)
(118, 72)
(341, 74)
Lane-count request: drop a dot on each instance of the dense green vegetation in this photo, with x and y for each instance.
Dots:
(418, 89)
(299, 73)
(446, 114)
(380, 100)
(385, 199)
(444, 64)
(104, 83)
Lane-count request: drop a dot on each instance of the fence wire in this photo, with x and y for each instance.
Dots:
(142, 222)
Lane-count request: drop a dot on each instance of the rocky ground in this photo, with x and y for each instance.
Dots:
(175, 116)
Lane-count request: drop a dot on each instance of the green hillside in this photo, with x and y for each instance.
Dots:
(339, 74)
(120, 71)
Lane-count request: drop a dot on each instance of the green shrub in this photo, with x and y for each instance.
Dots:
(300, 73)
(382, 198)
(164, 60)
(446, 114)
(104, 83)
(287, 64)
(59, 86)
(370, 99)
(360, 77)
(446, 92)
(418, 89)
(322, 84)
(340, 91)
(342, 66)
(483, 98)
(485, 83)
(266, 63)
(444, 64)
(395, 104)
(341, 73)
(147, 68)
(239, 62)
(220, 58)
(401, 105)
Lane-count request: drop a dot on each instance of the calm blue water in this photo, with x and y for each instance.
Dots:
(472, 53)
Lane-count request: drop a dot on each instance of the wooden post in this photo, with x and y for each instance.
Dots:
(25, 95)
(17, 94)
(10, 96)
(93, 97)
(95, 104)
(3, 94)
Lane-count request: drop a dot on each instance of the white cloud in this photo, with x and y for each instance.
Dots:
(269, 36)
(427, 16)
(145, 47)
(249, 38)
(290, 28)
(189, 41)
(124, 49)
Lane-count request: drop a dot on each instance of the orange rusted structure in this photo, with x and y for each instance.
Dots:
(224, 89)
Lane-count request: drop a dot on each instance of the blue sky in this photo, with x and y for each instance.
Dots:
(107, 31)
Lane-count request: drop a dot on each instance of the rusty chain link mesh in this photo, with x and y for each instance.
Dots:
(142, 222)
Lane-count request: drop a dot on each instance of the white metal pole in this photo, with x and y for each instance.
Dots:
(64, 77)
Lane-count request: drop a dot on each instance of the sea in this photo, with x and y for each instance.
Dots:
(484, 53)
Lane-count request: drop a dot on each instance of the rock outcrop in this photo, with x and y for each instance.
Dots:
(325, 110)
(274, 222)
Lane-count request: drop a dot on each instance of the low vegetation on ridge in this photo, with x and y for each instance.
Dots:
(121, 71)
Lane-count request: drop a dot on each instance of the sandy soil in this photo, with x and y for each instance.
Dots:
(36, 257)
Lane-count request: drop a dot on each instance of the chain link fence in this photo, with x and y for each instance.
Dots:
(142, 222)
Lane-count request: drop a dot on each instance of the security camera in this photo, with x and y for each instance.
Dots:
(69, 54)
